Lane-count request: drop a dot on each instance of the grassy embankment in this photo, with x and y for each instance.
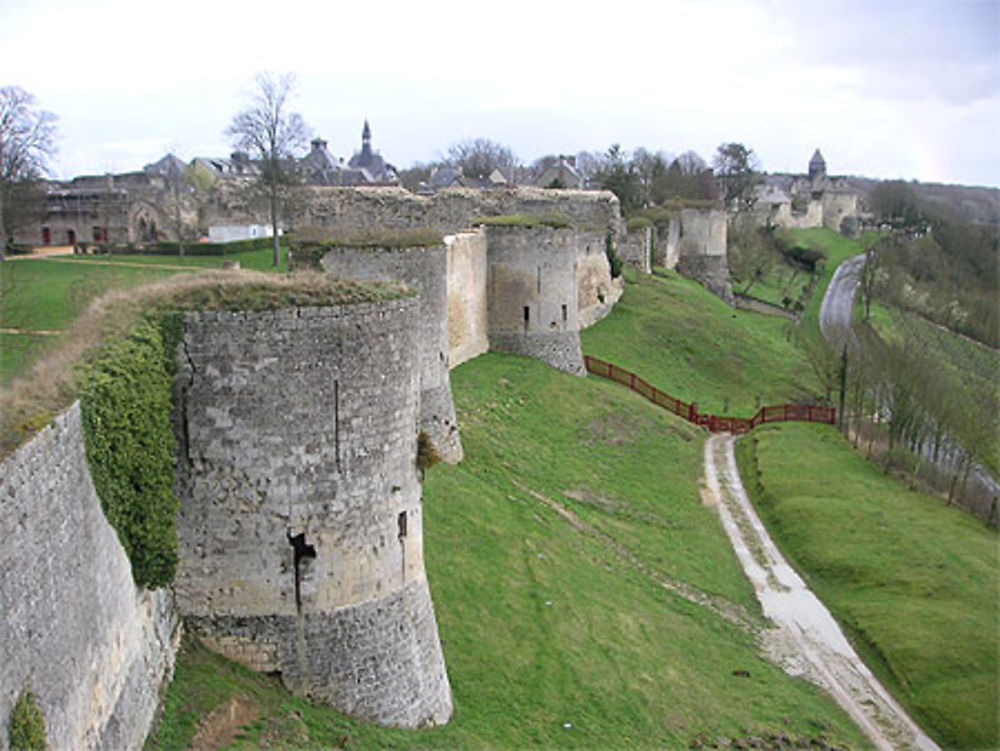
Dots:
(47, 294)
(965, 364)
(692, 345)
(868, 570)
(914, 583)
(550, 618)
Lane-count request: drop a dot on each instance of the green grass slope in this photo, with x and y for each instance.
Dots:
(49, 293)
(564, 555)
(915, 583)
(692, 345)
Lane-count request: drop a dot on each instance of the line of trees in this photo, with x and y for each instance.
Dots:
(901, 403)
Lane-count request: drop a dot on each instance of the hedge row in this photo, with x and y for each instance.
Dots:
(190, 249)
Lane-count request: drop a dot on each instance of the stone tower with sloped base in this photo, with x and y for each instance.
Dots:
(300, 531)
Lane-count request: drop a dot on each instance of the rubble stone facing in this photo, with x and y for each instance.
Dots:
(301, 527)
(451, 210)
(96, 649)
(467, 310)
(424, 270)
(703, 250)
(540, 280)
(634, 249)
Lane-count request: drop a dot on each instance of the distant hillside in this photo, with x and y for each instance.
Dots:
(977, 204)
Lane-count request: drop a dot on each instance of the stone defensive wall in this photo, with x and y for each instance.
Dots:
(468, 313)
(424, 269)
(95, 649)
(635, 249)
(301, 523)
(544, 285)
(694, 242)
(451, 210)
(703, 250)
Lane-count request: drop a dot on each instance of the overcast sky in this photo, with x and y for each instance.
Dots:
(886, 88)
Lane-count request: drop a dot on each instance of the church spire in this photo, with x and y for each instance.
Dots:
(366, 134)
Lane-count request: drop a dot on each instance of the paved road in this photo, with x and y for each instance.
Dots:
(837, 311)
(835, 316)
(807, 640)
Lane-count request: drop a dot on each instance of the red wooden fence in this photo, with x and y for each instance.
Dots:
(715, 423)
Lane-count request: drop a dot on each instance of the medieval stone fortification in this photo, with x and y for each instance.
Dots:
(301, 523)
(93, 647)
(815, 199)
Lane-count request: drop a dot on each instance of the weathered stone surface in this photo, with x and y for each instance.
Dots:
(703, 250)
(348, 657)
(467, 310)
(424, 270)
(451, 210)
(540, 280)
(96, 649)
(635, 249)
(301, 524)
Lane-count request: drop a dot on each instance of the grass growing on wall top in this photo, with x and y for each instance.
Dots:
(49, 294)
(553, 617)
(550, 219)
(914, 583)
(27, 404)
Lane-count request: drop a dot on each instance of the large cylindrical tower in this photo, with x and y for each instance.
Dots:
(425, 270)
(301, 526)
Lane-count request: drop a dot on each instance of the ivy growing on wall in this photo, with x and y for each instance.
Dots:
(27, 724)
(613, 260)
(125, 402)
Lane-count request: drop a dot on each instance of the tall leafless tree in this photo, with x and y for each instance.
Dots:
(271, 135)
(27, 141)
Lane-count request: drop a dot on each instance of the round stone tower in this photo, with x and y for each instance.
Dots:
(301, 526)
(425, 269)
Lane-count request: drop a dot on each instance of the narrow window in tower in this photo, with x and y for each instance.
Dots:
(527, 316)
(401, 524)
(336, 423)
(302, 551)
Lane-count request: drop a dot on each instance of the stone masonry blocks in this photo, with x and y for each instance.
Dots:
(96, 649)
(425, 270)
(301, 522)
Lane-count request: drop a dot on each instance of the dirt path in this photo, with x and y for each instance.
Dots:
(807, 640)
(722, 607)
(33, 332)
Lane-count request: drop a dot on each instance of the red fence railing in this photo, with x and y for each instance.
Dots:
(715, 423)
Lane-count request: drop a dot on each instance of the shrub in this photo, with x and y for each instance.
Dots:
(554, 220)
(27, 724)
(125, 403)
(636, 223)
(427, 453)
(613, 260)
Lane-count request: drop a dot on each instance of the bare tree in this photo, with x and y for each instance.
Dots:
(480, 156)
(871, 270)
(27, 141)
(269, 133)
(738, 170)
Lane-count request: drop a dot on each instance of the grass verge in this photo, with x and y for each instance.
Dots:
(913, 583)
